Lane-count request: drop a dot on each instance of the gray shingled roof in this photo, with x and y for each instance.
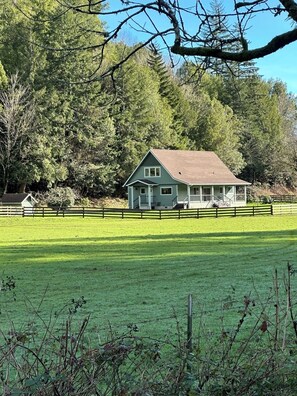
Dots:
(14, 198)
(196, 167)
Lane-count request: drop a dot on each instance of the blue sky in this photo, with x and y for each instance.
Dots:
(280, 65)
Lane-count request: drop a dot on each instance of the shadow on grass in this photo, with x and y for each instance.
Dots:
(134, 278)
(161, 247)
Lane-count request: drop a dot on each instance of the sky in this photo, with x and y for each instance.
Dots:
(281, 65)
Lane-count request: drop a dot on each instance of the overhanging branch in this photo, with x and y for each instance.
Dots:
(274, 45)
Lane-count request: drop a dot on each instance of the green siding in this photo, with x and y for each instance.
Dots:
(152, 194)
(164, 179)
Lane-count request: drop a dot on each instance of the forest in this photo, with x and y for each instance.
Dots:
(63, 125)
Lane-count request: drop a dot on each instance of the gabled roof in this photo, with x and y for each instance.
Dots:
(16, 198)
(194, 167)
(143, 181)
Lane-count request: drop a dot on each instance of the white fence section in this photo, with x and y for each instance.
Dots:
(285, 209)
(11, 211)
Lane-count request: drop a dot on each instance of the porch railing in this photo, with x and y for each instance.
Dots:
(211, 198)
(175, 201)
(221, 200)
(143, 200)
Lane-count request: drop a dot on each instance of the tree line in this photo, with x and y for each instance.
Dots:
(61, 124)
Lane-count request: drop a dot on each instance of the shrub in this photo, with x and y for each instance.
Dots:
(266, 199)
(60, 197)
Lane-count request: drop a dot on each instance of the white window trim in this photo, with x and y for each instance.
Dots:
(166, 187)
(149, 169)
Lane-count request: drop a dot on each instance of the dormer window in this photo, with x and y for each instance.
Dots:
(152, 171)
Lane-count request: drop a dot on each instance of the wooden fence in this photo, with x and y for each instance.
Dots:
(285, 209)
(139, 214)
(284, 198)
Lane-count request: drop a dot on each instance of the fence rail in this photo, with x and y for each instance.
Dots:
(289, 209)
(284, 198)
(139, 213)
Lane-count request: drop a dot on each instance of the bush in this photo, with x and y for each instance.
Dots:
(60, 197)
(266, 199)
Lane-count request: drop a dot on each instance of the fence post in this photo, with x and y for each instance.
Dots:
(160, 214)
(43, 211)
(190, 324)
(271, 210)
(234, 211)
(83, 212)
(23, 214)
(122, 213)
(253, 211)
(103, 212)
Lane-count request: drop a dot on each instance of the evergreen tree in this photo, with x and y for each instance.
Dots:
(171, 90)
(218, 129)
(142, 118)
(3, 78)
(263, 134)
(71, 114)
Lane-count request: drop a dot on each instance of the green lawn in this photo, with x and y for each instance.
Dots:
(139, 271)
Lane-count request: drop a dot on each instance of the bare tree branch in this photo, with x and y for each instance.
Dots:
(181, 26)
(185, 37)
(274, 45)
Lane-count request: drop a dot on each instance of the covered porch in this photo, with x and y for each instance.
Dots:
(212, 196)
(142, 194)
(145, 194)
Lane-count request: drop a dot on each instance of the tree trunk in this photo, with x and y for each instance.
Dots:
(22, 187)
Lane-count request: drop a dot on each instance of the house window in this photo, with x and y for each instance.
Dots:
(166, 190)
(142, 190)
(196, 190)
(152, 171)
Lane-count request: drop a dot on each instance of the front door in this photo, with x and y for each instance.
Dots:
(146, 198)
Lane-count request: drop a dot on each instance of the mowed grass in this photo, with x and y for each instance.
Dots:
(139, 271)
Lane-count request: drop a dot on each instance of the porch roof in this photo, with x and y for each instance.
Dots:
(196, 167)
(143, 181)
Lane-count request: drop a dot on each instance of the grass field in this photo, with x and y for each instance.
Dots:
(138, 271)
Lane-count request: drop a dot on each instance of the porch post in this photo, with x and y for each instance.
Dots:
(149, 197)
(245, 194)
(212, 193)
(189, 195)
(131, 197)
(224, 193)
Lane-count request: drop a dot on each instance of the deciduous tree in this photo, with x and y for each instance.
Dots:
(17, 113)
